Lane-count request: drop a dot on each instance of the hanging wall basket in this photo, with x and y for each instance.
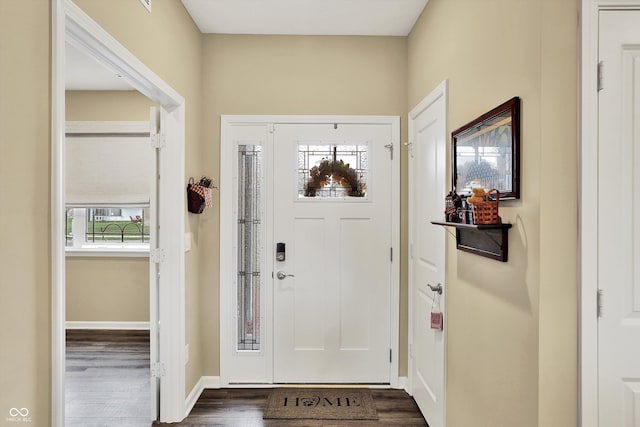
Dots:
(199, 195)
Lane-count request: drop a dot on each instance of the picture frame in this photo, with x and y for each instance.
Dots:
(486, 152)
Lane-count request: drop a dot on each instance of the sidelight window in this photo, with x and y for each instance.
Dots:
(249, 238)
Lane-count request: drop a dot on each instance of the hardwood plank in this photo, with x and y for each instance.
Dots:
(244, 408)
(107, 379)
(107, 385)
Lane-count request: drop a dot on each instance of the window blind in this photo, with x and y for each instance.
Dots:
(108, 170)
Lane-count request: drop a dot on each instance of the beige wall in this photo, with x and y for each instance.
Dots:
(292, 75)
(512, 349)
(167, 41)
(117, 105)
(559, 282)
(512, 338)
(107, 289)
(25, 296)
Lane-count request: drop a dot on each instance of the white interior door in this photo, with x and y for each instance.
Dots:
(332, 307)
(619, 220)
(427, 129)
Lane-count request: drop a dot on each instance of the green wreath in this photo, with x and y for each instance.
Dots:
(340, 172)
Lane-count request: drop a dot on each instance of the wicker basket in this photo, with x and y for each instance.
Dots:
(195, 200)
(486, 212)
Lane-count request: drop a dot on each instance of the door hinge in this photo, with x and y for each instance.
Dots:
(411, 250)
(390, 148)
(391, 254)
(158, 370)
(600, 75)
(156, 255)
(411, 351)
(158, 140)
(599, 303)
(390, 355)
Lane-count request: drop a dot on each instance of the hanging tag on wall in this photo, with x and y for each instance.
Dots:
(436, 320)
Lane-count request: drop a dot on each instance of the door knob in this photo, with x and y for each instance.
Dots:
(437, 288)
(282, 275)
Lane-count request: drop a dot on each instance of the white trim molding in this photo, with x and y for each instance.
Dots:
(588, 377)
(104, 252)
(203, 383)
(588, 221)
(403, 384)
(58, 238)
(91, 39)
(114, 326)
(108, 127)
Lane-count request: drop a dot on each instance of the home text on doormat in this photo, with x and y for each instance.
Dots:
(321, 404)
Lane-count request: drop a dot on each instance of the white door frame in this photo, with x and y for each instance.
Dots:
(227, 228)
(70, 23)
(588, 240)
(437, 93)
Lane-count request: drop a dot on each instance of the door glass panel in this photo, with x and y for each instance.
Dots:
(332, 171)
(249, 244)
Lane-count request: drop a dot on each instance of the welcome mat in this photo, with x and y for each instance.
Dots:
(321, 404)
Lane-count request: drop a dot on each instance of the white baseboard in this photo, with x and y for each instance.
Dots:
(403, 384)
(203, 382)
(138, 326)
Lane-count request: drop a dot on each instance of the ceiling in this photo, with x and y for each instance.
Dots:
(284, 17)
(306, 17)
(85, 73)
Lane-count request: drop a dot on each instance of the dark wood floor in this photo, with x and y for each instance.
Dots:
(107, 379)
(107, 385)
(244, 407)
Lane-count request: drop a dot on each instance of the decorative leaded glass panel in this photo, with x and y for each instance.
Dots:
(249, 244)
(332, 170)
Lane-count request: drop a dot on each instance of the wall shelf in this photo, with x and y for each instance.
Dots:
(487, 240)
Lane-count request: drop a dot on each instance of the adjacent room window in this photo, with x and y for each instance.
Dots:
(332, 171)
(109, 172)
(108, 227)
(249, 244)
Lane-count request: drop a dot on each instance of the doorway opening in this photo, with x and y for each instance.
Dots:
(110, 223)
(71, 25)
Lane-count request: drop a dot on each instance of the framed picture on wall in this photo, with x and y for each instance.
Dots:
(486, 152)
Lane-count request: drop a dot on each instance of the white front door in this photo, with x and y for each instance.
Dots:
(427, 175)
(619, 220)
(333, 214)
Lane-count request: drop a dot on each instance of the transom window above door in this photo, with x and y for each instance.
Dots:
(332, 171)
